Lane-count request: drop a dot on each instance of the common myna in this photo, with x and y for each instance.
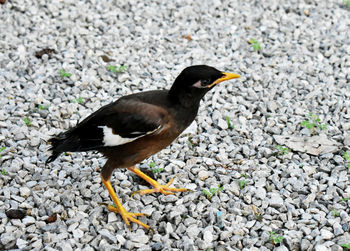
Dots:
(139, 125)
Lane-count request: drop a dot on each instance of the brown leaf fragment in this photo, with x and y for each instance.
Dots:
(16, 213)
(47, 51)
(2, 1)
(106, 59)
(51, 218)
(188, 37)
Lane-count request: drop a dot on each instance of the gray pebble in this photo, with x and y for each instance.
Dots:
(108, 236)
(326, 234)
(192, 231)
(276, 200)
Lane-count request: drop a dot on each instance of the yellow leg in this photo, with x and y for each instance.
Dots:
(164, 189)
(127, 217)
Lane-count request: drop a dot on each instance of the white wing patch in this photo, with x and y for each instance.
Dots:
(111, 139)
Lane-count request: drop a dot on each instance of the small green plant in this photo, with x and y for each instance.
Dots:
(347, 246)
(43, 107)
(313, 123)
(347, 3)
(212, 191)
(345, 199)
(79, 100)
(229, 125)
(65, 74)
(242, 183)
(3, 171)
(275, 238)
(116, 69)
(255, 44)
(346, 156)
(152, 165)
(282, 150)
(157, 170)
(245, 175)
(335, 213)
(1, 150)
(27, 121)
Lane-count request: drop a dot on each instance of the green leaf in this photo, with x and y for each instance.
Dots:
(64, 74)
(80, 100)
(152, 164)
(322, 127)
(123, 68)
(278, 239)
(346, 245)
(347, 3)
(207, 193)
(116, 69)
(346, 155)
(220, 188)
(157, 170)
(282, 150)
(242, 183)
(43, 107)
(27, 121)
(229, 123)
(335, 213)
(304, 123)
(275, 238)
(112, 68)
(213, 190)
(345, 199)
(307, 124)
(255, 44)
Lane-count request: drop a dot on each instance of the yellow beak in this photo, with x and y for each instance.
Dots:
(226, 76)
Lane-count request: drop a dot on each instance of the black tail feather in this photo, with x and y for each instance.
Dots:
(59, 144)
(53, 156)
(70, 141)
(54, 142)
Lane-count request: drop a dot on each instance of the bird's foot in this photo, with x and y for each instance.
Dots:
(128, 217)
(158, 188)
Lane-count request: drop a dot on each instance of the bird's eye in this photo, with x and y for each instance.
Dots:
(205, 82)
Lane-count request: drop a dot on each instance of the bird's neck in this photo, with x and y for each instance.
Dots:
(185, 99)
(185, 108)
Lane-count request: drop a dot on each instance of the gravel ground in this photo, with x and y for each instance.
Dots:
(303, 66)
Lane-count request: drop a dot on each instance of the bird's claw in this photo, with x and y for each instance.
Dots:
(127, 217)
(163, 189)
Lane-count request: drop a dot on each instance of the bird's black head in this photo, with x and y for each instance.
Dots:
(195, 81)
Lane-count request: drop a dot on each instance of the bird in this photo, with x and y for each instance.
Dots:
(138, 125)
